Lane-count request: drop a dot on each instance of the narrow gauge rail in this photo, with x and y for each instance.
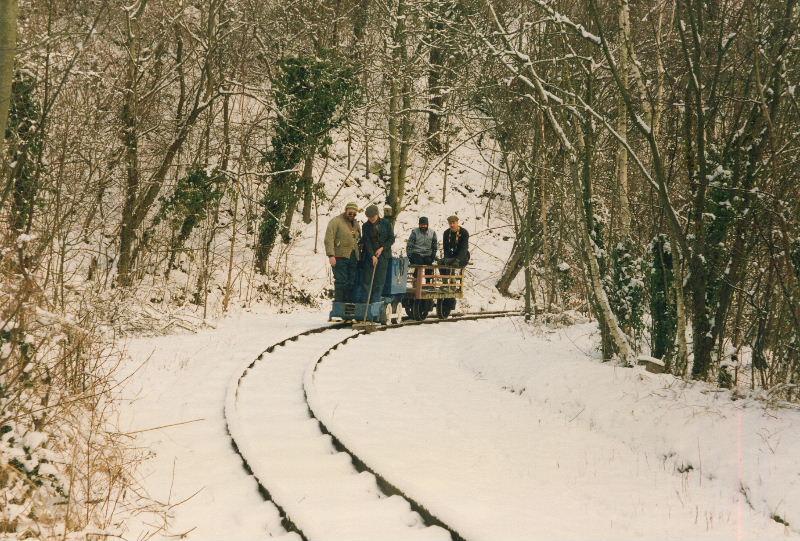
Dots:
(288, 523)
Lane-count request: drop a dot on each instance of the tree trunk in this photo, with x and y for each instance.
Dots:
(307, 184)
(399, 113)
(436, 60)
(275, 202)
(226, 298)
(360, 20)
(510, 270)
(303, 188)
(286, 228)
(529, 223)
(614, 339)
(681, 344)
(130, 141)
(359, 29)
(622, 126)
(8, 47)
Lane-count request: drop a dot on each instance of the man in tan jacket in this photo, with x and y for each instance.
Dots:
(342, 238)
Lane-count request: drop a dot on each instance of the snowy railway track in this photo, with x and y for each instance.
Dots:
(304, 469)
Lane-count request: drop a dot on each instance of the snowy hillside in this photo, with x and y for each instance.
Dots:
(298, 273)
(470, 194)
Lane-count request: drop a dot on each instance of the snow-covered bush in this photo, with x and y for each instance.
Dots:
(61, 467)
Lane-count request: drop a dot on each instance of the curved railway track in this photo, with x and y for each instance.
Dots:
(237, 429)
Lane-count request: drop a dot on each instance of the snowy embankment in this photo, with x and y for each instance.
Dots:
(507, 432)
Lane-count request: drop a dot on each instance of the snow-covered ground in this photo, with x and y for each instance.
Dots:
(509, 433)
(183, 379)
(503, 431)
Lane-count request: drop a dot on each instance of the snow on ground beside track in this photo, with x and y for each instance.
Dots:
(508, 432)
(739, 444)
(183, 378)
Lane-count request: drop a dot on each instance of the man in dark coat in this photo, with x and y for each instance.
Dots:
(456, 244)
(378, 237)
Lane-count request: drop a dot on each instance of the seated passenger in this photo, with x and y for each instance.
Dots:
(421, 246)
(456, 244)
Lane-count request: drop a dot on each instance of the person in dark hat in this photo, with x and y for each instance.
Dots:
(422, 244)
(378, 238)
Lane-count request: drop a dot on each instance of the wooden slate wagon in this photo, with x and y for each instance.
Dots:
(433, 285)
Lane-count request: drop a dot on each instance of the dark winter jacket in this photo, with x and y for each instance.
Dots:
(456, 246)
(422, 243)
(376, 235)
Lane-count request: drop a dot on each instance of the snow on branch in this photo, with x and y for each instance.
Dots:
(561, 19)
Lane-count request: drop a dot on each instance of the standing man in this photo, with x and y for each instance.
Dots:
(378, 240)
(456, 244)
(422, 244)
(342, 238)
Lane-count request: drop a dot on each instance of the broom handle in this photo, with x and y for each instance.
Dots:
(369, 293)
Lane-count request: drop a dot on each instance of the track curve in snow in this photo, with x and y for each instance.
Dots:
(323, 491)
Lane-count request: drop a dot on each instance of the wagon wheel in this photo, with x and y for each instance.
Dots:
(408, 305)
(443, 308)
(428, 306)
(419, 310)
(385, 316)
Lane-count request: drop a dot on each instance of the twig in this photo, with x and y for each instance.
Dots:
(577, 414)
(157, 427)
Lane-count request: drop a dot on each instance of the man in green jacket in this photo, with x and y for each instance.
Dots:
(342, 238)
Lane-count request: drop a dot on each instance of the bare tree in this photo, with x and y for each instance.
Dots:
(8, 45)
(141, 191)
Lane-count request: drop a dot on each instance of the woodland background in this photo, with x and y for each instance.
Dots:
(647, 157)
